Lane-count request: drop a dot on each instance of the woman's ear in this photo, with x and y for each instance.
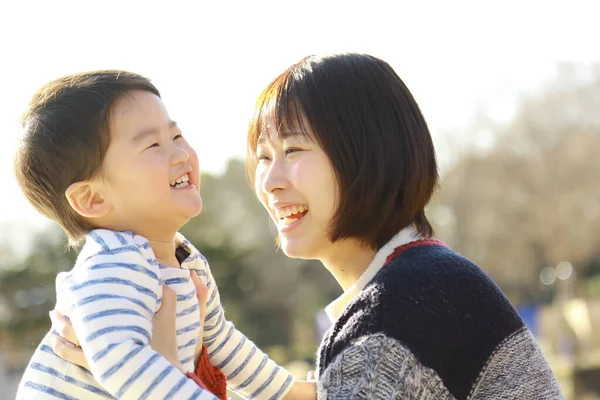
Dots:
(85, 198)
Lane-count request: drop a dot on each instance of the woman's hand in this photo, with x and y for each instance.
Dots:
(164, 328)
(164, 334)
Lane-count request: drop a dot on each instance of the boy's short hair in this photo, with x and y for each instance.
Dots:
(368, 123)
(66, 136)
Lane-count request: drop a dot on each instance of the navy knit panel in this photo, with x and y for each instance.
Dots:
(439, 305)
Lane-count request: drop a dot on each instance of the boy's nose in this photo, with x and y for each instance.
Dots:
(179, 155)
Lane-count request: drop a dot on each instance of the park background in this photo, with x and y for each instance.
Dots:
(511, 92)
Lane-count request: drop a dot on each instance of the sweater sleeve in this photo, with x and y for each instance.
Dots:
(248, 370)
(432, 325)
(379, 367)
(113, 293)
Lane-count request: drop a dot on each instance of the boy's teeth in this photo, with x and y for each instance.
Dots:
(183, 178)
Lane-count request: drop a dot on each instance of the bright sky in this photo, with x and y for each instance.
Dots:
(210, 60)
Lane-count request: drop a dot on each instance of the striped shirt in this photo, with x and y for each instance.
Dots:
(110, 297)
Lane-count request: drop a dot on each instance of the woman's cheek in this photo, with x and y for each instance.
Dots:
(258, 182)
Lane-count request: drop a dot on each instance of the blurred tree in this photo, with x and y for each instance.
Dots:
(27, 291)
(529, 201)
(533, 199)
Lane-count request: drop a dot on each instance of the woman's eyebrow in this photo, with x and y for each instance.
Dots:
(296, 134)
(283, 135)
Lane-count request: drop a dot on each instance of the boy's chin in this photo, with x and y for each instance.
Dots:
(190, 213)
(192, 209)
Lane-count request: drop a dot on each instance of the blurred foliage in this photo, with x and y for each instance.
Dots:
(529, 201)
(532, 199)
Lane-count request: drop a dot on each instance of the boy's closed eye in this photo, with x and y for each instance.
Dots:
(158, 144)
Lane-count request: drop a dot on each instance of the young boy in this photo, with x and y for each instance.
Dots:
(101, 157)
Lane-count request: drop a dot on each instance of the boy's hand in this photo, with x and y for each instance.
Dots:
(302, 390)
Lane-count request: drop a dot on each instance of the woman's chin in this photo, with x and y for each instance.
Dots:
(294, 248)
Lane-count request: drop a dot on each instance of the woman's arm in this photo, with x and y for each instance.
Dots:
(164, 340)
(110, 297)
(164, 336)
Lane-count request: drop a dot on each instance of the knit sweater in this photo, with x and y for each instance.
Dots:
(110, 297)
(429, 324)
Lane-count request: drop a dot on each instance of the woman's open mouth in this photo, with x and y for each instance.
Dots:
(290, 216)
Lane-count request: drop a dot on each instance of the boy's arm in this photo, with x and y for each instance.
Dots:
(113, 295)
(248, 370)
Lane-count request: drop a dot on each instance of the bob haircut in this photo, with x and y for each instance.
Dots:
(367, 122)
(65, 139)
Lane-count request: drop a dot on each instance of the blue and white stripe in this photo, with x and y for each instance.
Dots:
(249, 371)
(110, 296)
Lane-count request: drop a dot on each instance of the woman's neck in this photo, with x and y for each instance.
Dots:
(347, 261)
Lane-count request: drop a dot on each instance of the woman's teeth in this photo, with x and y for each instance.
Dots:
(289, 221)
(290, 215)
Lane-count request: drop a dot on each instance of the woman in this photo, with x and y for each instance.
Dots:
(341, 157)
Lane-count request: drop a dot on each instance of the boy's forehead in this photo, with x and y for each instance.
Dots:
(138, 102)
(136, 112)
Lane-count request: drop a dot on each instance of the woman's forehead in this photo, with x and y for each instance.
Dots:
(271, 136)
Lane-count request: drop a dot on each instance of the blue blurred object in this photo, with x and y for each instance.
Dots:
(529, 313)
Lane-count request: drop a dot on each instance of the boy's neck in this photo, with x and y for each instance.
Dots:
(164, 251)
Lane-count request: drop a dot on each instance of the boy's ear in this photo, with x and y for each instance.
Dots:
(85, 198)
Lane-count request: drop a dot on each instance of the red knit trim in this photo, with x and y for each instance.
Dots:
(410, 245)
(212, 378)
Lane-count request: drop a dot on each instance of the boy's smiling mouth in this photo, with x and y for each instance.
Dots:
(181, 182)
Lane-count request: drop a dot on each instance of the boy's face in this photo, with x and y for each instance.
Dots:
(151, 176)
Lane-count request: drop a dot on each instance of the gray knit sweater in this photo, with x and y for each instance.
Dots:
(432, 325)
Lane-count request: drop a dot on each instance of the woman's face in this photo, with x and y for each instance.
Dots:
(296, 184)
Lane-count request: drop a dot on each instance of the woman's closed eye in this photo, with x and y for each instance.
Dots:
(261, 157)
(291, 150)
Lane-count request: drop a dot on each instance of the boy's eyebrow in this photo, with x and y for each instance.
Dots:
(140, 136)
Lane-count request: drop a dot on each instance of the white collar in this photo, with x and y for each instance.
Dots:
(335, 308)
